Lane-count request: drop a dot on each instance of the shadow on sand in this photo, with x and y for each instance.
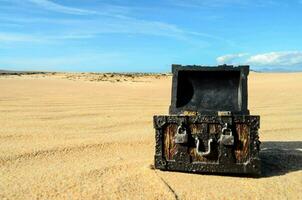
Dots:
(279, 158)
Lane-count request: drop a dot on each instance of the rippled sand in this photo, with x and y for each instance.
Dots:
(90, 136)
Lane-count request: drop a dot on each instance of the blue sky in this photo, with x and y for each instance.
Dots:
(148, 36)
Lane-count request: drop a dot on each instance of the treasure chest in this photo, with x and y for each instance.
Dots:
(209, 128)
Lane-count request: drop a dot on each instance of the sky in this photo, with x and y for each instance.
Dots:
(148, 36)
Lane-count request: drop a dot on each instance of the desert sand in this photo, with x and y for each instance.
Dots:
(90, 136)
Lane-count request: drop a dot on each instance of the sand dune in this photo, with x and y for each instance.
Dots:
(90, 136)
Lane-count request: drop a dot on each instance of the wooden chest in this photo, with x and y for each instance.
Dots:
(209, 128)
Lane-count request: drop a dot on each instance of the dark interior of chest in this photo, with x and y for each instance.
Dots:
(209, 90)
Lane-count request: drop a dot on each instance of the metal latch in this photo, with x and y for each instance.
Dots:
(190, 113)
(224, 113)
(226, 137)
(181, 136)
(201, 153)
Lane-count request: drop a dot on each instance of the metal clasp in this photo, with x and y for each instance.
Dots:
(201, 153)
(181, 136)
(224, 113)
(226, 137)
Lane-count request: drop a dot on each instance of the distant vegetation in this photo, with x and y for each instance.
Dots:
(10, 72)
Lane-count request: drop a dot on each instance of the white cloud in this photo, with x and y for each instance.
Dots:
(107, 19)
(206, 3)
(285, 58)
(220, 3)
(83, 29)
(270, 59)
(49, 5)
(89, 28)
(12, 37)
(105, 10)
(229, 59)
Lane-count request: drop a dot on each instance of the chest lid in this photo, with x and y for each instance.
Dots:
(209, 90)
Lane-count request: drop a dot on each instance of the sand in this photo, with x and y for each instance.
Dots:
(86, 136)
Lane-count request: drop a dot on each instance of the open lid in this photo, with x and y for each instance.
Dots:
(209, 90)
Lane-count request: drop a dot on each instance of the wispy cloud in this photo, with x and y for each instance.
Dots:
(8, 37)
(81, 23)
(207, 3)
(115, 21)
(222, 3)
(13, 37)
(229, 59)
(270, 59)
(49, 5)
(107, 10)
(83, 29)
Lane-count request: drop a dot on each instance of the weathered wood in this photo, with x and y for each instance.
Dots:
(242, 143)
(169, 144)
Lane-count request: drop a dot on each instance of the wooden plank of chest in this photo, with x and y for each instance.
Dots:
(169, 145)
(242, 142)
